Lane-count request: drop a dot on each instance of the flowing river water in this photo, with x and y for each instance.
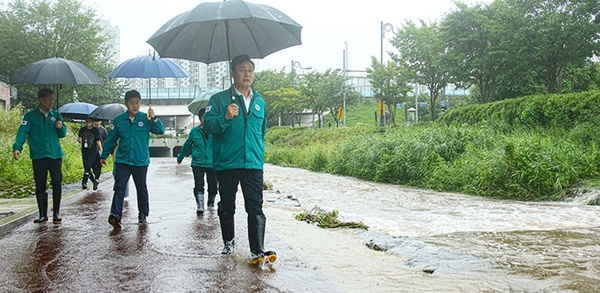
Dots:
(470, 243)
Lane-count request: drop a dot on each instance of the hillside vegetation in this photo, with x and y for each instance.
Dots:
(532, 148)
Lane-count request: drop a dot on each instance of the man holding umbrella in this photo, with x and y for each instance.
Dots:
(43, 127)
(237, 119)
(132, 129)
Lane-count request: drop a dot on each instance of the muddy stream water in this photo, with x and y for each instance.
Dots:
(472, 244)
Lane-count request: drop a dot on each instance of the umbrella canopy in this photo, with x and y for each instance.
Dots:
(148, 67)
(108, 112)
(78, 110)
(201, 101)
(216, 31)
(56, 71)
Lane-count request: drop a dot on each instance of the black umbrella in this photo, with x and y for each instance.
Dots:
(108, 112)
(56, 71)
(77, 110)
(216, 31)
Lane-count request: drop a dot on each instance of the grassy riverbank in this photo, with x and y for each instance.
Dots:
(490, 158)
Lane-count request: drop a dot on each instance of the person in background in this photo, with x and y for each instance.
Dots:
(199, 143)
(43, 128)
(132, 129)
(237, 119)
(103, 135)
(91, 147)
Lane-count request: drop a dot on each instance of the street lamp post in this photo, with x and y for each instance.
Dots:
(344, 84)
(385, 27)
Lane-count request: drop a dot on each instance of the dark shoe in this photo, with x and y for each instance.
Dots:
(142, 219)
(95, 182)
(40, 220)
(199, 213)
(115, 221)
(83, 186)
(229, 247)
(56, 219)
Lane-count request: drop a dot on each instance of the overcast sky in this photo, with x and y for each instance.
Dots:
(327, 26)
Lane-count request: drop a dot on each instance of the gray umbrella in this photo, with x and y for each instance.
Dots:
(108, 112)
(56, 71)
(216, 31)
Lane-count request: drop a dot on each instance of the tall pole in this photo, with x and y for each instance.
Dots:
(344, 84)
(381, 37)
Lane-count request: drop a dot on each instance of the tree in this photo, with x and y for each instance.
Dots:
(32, 30)
(423, 52)
(271, 84)
(389, 83)
(559, 33)
(479, 43)
(325, 92)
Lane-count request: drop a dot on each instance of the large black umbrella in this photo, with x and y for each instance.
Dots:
(216, 31)
(148, 67)
(55, 71)
(108, 112)
(77, 110)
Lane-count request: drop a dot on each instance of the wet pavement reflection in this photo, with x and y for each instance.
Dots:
(176, 251)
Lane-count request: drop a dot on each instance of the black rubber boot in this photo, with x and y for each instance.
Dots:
(199, 195)
(42, 202)
(85, 180)
(56, 219)
(211, 201)
(256, 237)
(228, 233)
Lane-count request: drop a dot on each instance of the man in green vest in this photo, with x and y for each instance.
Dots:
(132, 129)
(237, 119)
(42, 127)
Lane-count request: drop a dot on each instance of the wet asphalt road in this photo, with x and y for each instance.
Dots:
(176, 251)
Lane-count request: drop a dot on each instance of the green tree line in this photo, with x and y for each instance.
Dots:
(498, 50)
(32, 30)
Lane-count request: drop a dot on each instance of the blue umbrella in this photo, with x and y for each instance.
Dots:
(77, 110)
(148, 67)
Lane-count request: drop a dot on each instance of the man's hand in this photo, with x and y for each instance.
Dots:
(232, 111)
(58, 124)
(178, 162)
(102, 162)
(150, 112)
(16, 155)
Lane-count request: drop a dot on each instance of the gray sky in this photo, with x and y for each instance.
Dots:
(327, 26)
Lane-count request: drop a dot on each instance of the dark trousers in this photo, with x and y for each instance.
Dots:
(122, 174)
(89, 159)
(211, 179)
(41, 168)
(97, 167)
(252, 189)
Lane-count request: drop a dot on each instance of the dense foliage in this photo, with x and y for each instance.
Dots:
(495, 157)
(32, 30)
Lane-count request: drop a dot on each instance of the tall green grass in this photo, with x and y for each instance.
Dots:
(16, 177)
(523, 164)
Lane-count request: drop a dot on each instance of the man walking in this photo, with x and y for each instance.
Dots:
(237, 119)
(132, 129)
(43, 127)
(103, 135)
